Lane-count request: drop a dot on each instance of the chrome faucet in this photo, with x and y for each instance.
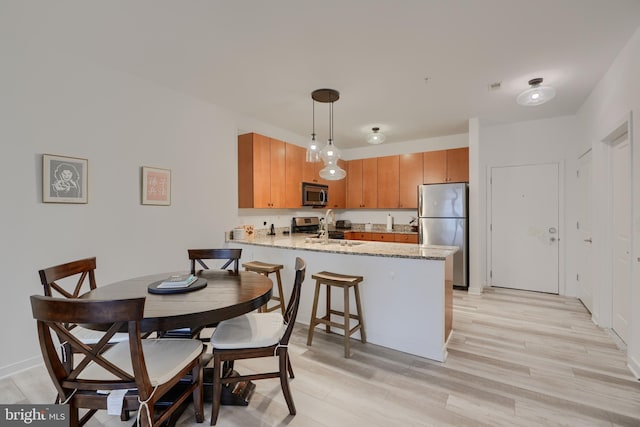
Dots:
(329, 217)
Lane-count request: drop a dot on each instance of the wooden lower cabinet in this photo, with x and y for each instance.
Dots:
(372, 236)
(382, 237)
(406, 238)
(357, 235)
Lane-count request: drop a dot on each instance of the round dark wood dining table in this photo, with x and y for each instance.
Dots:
(225, 296)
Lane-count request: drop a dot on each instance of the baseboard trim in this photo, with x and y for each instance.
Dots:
(9, 370)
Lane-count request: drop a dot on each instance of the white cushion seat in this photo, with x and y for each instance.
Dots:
(251, 330)
(89, 336)
(164, 358)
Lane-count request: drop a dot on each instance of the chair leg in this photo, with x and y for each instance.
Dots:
(217, 389)
(314, 314)
(363, 334)
(280, 292)
(327, 327)
(198, 393)
(146, 415)
(73, 415)
(284, 382)
(347, 333)
(289, 368)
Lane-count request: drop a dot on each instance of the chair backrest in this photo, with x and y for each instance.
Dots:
(232, 256)
(291, 312)
(52, 314)
(83, 268)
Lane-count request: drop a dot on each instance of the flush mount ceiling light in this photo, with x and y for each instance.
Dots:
(536, 94)
(376, 137)
(330, 153)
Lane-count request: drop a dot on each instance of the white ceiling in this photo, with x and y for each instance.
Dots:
(264, 58)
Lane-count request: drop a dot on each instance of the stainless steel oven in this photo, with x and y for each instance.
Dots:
(314, 194)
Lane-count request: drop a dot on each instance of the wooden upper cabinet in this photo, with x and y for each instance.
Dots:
(446, 166)
(434, 167)
(458, 165)
(388, 181)
(411, 166)
(354, 184)
(311, 171)
(362, 183)
(261, 172)
(295, 159)
(337, 189)
(370, 183)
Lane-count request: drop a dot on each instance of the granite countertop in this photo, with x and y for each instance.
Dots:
(352, 247)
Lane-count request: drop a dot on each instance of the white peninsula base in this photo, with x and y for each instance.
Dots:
(406, 299)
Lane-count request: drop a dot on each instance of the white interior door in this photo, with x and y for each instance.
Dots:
(584, 274)
(524, 227)
(621, 211)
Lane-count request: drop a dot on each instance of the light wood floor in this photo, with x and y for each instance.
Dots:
(515, 359)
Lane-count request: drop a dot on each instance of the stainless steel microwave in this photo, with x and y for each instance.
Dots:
(314, 194)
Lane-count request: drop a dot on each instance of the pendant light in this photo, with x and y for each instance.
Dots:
(313, 148)
(330, 153)
(375, 137)
(536, 94)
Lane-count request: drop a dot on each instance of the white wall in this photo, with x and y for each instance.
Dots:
(57, 104)
(527, 143)
(614, 98)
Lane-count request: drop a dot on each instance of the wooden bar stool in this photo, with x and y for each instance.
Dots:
(266, 269)
(346, 282)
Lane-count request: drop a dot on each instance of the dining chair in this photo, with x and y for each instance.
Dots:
(136, 373)
(256, 335)
(231, 257)
(70, 280)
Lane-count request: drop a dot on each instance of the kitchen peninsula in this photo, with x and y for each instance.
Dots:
(407, 292)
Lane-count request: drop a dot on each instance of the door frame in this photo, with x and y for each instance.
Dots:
(561, 220)
(603, 303)
(585, 268)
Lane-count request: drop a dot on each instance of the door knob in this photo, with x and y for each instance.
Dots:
(588, 240)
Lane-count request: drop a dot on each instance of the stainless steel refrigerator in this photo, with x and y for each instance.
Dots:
(443, 220)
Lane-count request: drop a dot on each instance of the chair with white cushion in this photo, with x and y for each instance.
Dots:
(71, 280)
(256, 335)
(129, 375)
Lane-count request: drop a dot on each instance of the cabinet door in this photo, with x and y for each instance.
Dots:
(311, 171)
(458, 165)
(354, 184)
(382, 237)
(277, 173)
(406, 238)
(434, 167)
(360, 235)
(261, 171)
(337, 190)
(295, 157)
(388, 181)
(410, 177)
(370, 183)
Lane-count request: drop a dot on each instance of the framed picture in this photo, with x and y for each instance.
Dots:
(64, 179)
(156, 186)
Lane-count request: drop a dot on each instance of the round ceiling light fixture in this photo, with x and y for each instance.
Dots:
(536, 94)
(375, 137)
